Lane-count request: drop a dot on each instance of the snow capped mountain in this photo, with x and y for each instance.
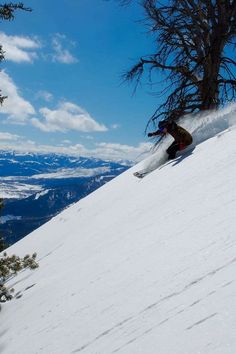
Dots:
(138, 266)
(21, 172)
(35, 187)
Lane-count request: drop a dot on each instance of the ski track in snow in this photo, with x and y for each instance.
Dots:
(130, 324)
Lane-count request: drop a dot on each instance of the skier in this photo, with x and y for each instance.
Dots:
(182, 137)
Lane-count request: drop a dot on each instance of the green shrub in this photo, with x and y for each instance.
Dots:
(10, 266)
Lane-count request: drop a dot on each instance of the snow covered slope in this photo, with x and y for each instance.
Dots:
(139, 266)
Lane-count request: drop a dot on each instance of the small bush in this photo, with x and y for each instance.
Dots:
(10, 266)
(3, 244)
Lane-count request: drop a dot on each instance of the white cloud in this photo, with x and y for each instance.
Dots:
(122, 151)
(88, 137)
(67, 117)
(18, 48)
(61, 54)
(115, 126)
(66, 141)
(4, 136)
(45, 95)
(24, 49)
(111, 151)
(106, 151)
(15, 107)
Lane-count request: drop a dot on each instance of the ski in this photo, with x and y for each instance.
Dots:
(141, 174)
(181, 155)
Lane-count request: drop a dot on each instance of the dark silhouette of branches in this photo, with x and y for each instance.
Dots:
(7, 10)
(194, 43)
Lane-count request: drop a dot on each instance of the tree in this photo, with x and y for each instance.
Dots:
(7, 12)
(194, 42)
(9, 267)
(3, 244)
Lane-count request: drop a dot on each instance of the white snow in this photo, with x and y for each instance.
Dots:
(12, 189)
(137, 267)
(73, 173)
(41, 194)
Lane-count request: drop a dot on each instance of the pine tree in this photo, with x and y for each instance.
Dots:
(3, 244)
(10, 266)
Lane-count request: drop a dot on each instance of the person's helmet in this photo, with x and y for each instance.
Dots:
(167, 123)
(162, 124)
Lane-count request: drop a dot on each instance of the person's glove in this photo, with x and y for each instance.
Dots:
(150, 134)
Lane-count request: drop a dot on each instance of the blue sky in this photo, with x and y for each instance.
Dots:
(62, 76)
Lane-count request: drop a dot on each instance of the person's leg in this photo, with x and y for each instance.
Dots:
(172, 149)
(182, 146)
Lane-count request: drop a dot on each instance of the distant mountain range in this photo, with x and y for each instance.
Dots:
(35, 187)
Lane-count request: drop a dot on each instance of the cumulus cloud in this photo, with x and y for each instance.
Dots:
(113, 152)
(4, 136)
(61, 53)
(18, 48)
(24, 49)
(17, 109)
(68, 116)
(122, 151)
(105, 151)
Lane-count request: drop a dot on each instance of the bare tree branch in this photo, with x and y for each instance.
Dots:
(191, 37)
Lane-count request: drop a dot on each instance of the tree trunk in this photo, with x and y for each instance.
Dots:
(210, 86)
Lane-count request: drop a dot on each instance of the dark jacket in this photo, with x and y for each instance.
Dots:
(179, 134)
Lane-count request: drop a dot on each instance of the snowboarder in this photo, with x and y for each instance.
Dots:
(182, 137)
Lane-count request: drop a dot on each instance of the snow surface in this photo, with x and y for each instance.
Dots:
(41, 194)
(137, 267)
(17, 190)
(73, 173)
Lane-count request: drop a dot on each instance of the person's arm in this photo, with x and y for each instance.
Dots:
(157, 132)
